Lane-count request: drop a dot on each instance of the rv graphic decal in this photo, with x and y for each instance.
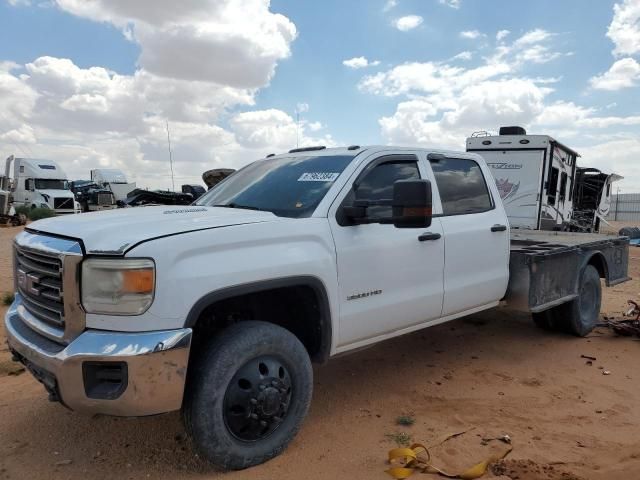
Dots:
(506, 188)
(505, 166)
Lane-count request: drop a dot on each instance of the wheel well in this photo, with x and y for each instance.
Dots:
(600, 264)
(301, 309)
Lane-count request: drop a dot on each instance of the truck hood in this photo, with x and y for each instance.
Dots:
(113, 232)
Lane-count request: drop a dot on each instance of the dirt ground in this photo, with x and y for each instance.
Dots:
(495, 373)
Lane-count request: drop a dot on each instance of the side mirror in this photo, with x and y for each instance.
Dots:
(412, 203)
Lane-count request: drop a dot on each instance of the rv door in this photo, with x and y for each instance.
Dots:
(518, 174)
(604, 206)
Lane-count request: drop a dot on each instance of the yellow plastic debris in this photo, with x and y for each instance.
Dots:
(406, 461)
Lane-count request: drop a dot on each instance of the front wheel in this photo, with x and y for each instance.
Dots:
(248, 394)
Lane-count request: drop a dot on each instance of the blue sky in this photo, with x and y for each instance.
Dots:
(93, 82)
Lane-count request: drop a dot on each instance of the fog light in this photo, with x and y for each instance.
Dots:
(104, 380)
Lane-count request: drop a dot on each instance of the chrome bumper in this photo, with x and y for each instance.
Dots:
(156, 366)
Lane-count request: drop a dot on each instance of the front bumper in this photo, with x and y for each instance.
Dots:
(156, 366)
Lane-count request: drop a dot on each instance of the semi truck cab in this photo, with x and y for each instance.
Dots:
(39, 183)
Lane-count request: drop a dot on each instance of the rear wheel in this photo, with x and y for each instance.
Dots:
(579, 316)
(247, 397)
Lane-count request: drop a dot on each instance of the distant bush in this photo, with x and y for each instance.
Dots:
(39, 213)
(7, 298)
(23, 209)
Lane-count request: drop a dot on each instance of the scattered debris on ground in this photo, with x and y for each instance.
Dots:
(418, 458)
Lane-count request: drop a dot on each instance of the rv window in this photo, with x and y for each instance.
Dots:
(462, 186)
(563, 186)
(608, 189)
(552, 186)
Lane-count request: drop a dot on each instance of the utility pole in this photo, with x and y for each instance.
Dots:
(173, 185)
(297, 127)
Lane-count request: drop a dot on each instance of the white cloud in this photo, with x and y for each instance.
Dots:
(624, 29)
(315, 126)
(302, 107)
(531, 47)
(242, 35)
(408, 22)
(273, 129)
(91, 117)
(389, 4)
(442, 104)
(466, 55)
(360, 62)
(451, 3)
(21, 135)
(533, 36)
(623, 73)
(617, 155)
(471, 34)
(502, 34)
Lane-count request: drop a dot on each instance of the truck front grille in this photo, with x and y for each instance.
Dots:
(39, 282)
(105, 199)
(63, 203)
(46, 276)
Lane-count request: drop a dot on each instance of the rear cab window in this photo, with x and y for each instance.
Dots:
(462, 186)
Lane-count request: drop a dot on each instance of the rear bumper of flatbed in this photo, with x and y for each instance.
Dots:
(545, 267)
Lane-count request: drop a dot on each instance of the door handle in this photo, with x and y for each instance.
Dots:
(429, 236)
(498, 228)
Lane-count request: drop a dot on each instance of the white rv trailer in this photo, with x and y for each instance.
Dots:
(539, 182)
(39, 183)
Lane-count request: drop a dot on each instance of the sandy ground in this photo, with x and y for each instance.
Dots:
(495, 373)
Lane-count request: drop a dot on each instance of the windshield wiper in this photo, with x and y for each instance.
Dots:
(243, 207)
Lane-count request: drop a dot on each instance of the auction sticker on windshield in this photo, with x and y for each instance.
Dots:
(318, 177)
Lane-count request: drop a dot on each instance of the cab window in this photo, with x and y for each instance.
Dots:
(377, 184)
(462, 186)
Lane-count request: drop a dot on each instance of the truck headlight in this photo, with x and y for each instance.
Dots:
(117, 286)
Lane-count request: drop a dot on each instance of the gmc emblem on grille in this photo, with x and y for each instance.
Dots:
(28, 282)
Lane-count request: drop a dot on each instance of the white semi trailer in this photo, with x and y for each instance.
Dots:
(540, 184)
(115, 180)
(39, 183)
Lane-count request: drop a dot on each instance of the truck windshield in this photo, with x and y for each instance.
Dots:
(286, 186)
(51, 184)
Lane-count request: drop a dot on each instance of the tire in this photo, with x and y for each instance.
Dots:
(580, 316)
(248, 394)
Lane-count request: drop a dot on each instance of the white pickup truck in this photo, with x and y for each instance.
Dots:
(220, 307)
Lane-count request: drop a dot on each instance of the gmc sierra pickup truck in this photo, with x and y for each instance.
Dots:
(220, 307)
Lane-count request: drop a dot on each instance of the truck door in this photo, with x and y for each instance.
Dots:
(476, 235)
(389, 279)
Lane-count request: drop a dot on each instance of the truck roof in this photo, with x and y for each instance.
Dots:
(39, 168)
(357, 149)
(511, 142)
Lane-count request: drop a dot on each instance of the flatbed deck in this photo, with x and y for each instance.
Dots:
(545, 267)
(524, 240)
